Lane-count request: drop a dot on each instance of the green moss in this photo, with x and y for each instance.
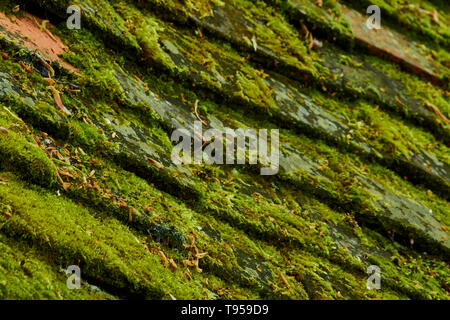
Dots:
(21, 154)
(120, 260)
(27, 273)
(327, 19)
(255, 230)
(414, 86)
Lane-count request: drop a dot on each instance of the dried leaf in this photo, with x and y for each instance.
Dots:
(155, 163)
(173, 265)
(66, 186)
(7, 214)
(201, 255)
(435, 16)
(58, 100)
(163, 258)
(4, 131)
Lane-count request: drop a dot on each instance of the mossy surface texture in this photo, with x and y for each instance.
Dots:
(86, 176)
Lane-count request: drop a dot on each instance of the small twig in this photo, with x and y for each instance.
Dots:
(43, 27)
(13, 115)
(50, 81)
(304, 29)
(196, 114)
(46, 65)
(311, 41)
(284, 280)
(437, 111)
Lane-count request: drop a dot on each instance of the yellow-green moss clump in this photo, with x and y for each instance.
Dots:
(21, 154)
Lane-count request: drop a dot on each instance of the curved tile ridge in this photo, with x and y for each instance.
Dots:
(142, 226)
(261, 35)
